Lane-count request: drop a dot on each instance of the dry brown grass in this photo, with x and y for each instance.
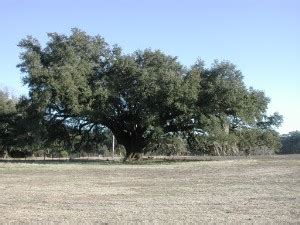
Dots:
(233, 191)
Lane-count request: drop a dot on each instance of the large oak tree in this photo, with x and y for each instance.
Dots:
(137, 96)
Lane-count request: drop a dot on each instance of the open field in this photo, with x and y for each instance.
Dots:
(259, 190)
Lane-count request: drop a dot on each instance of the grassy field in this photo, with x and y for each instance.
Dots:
(260, 190)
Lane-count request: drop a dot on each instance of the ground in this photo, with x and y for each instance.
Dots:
(253, 190)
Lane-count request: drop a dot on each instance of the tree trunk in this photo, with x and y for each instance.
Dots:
(132, 139)
(134, 146)
(133, 152)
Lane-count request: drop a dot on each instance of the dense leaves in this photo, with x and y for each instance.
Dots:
(79, 83)
(290, 143)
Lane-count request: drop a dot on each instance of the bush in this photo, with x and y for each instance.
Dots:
(39, 153)
(64, 154)
(168, 145)
(17, 153)
(290, 143)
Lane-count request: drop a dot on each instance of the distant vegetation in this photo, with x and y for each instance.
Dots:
(82, 90)
(290, 143)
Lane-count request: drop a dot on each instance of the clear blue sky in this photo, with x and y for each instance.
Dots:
(262, 37)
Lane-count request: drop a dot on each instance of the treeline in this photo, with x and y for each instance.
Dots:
(82, 90)
(290, 143)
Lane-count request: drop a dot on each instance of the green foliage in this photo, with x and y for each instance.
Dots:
(252, 139)
(168, 145)
(7, 104)
(120, 150)
(224, 95)
(231, 117)
(80, 87)
(290, 143)
(82, 77)
(7, 115)
(64, 154)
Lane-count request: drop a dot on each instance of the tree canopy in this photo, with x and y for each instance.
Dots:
(81, 81)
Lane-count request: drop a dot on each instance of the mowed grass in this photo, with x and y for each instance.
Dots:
(250, 191)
